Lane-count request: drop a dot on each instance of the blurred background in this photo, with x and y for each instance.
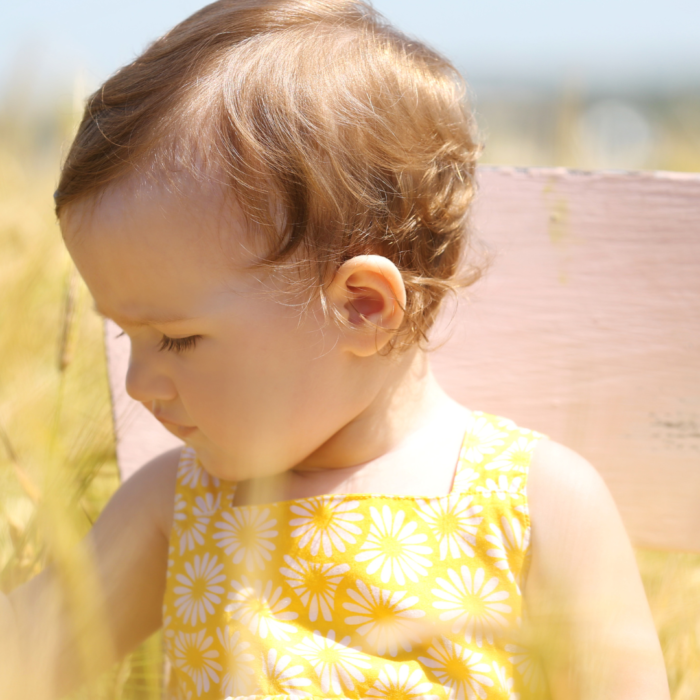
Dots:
(595, 84)
(600, 84)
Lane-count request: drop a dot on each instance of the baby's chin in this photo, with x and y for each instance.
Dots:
(214, 465)
(223, 466)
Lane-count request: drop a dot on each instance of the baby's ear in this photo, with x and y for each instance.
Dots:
(368, 292)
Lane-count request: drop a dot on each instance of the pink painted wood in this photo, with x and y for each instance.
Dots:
(586, 328)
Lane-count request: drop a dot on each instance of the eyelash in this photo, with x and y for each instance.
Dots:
(174, 344)
(178, 344)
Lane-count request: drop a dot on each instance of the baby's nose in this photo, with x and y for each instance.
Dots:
(146, 380)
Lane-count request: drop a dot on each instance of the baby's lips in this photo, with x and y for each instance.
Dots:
(181, 431)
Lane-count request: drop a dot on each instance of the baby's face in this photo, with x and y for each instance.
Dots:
(219, 352)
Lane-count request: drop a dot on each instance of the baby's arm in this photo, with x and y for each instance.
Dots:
(129, 547)
(584, 595)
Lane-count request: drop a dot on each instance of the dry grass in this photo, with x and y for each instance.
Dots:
(57, 466)
(57, 463)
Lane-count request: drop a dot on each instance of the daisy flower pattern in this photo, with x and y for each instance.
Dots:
(517, 456)
(325, 523)
(465, 479)
(457, 668)
(503, 488)
(473, 604)
(199, 589)
(188, 529)
(401, 684)
(528, 667)
(168, 631)
(505, 682)
(192, 653)
(237, 678)
(281, 678)
(337, 664)
(384, 597)
(191, 473)
(263, 611)
(454, 522)
(393, 548)
(385, 618)
(314, 583)
(245, 535)
(481, 438)
(510, 543)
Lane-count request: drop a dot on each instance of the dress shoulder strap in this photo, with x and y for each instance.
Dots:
(198, 496)
(495, 455)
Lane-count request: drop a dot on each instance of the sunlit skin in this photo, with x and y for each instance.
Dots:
(292, 404)
(233, 363)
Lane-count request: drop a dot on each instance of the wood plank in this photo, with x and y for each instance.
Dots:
(587, 328)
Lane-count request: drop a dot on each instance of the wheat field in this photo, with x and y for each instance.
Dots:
(57, 463)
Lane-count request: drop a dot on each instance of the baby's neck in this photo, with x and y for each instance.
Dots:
(406, 443)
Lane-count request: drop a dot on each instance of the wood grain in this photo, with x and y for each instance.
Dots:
(587, 328)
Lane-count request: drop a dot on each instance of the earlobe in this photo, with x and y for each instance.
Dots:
(369, 294)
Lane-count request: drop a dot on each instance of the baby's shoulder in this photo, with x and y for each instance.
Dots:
(561, 479)
(573, 515)
(150, 491)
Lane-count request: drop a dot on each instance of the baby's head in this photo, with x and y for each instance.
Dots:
(262, 168)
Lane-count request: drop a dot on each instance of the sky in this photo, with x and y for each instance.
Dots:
(599, 43)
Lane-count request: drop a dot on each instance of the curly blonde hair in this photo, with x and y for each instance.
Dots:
(318, 109)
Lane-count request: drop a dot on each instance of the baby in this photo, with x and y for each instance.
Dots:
(271, 202)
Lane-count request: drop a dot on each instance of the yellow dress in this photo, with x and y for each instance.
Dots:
(356, 595)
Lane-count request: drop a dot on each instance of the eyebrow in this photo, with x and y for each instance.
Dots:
(142, 321)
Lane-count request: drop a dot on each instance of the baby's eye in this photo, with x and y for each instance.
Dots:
(178, 344)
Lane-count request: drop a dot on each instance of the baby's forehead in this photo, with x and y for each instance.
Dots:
(199, 212)
(144, 249)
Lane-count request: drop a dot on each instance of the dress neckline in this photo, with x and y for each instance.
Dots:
(366, 496)
(325, 497)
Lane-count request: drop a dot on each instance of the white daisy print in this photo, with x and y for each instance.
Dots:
(191, 523)
(337, 664)
(315, 584)
(394, 548)
(517, 456)
(189, 530)
(510, 544)
(505, 682)
(262, 611)
(198, 590)
(237, 663)
(481, 438)
(464, 478)
(385, 618)
(205, 506)
(168, 631)
(171, 559)
(528, 667)
(325, 523)
(503, 488)
(283, 678)
(192, 655)
(474, 606)
(245, 533)
(459, 669)
(454, 522)
(191, 473)
(505, 423)
(401, 684)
